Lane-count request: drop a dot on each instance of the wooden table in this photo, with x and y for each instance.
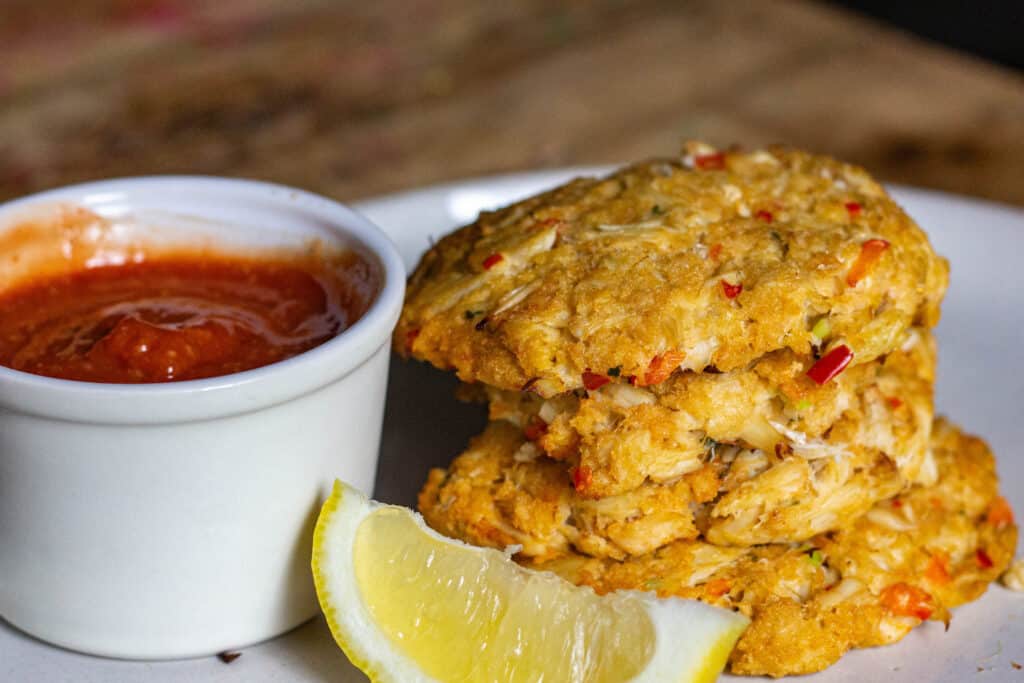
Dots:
(359, 98)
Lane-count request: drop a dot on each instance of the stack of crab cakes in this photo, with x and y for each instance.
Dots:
(711, 376)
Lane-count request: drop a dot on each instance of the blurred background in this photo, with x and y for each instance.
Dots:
(354, 99)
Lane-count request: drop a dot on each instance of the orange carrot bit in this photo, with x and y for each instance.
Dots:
(716, 588)
(937, 572)
(662, 366)
(1000, 514)
(582, 477)
(905, 600)
(870, 252)
(715, 251)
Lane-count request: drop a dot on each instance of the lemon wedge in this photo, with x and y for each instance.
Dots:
(407, 604)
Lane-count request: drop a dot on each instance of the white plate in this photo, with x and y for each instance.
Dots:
(980, 385)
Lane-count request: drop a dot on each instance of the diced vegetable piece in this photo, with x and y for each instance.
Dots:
(582, 477)
(709, 162)
(831, 364)
(822, 329)
(937, 571)
(593, 380)
(870, 252)
(1000, 514)
(730, 290)
(983, 560)
(905, 600)
(493, 260)
(535, 428)
(662, 366)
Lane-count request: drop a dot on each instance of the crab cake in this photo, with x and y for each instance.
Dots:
(624, 435)
(909, 559)
(652, 467)
(709, 260)
(499, 493)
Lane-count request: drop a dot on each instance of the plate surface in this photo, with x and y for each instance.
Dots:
(981, 386)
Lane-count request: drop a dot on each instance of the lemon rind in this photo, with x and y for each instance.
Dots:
(707, 648)
(333, 540)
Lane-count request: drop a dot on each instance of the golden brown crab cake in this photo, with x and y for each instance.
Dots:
(712, 259)
(624, 435)
(503, 491)
(500, 493)
(911, 558)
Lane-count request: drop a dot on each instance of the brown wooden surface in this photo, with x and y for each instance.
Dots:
(359, 98)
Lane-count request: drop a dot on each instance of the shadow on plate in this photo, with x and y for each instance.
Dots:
(424, 427)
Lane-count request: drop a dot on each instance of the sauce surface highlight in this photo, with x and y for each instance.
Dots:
(171, 319)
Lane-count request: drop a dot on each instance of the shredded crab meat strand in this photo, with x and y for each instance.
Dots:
(809, 449)
(843, 591)
(620, 227)
(911, 339)
(890, 519)
(458, 289)
(627, 396)
(515, 297)
(698, 357)
(528, 452)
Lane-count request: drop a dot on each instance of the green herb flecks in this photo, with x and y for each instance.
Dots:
(821, 329)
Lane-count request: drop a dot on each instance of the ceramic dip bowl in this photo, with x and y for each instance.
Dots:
(175, 519)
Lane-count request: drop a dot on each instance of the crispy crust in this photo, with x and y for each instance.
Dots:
(616, 272)
(812, 602)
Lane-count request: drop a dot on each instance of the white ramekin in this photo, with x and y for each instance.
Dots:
(175, 520)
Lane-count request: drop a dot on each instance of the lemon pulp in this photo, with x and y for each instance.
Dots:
(408, 605)
(462, 616)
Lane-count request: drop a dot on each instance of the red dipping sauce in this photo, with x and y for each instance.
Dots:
(177, 317)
